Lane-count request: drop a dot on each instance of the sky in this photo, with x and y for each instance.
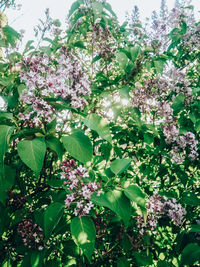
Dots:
(28, 16)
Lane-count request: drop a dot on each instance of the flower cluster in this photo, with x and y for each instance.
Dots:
(103, 40)
(152, 99)
(48, 77)
(155, 204)
(150, 224)
(181, 143)
(192, 37)
(174, 211)
(158, 28)
(156, 207)
(149, 96)
(32, 235)
(81, 191)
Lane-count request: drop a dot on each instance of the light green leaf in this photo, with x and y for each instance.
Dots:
(52, 216)
(124, 92)
(120, 165)
(84, 234)
(79, 146)
(109, 8)
(97, 8)
(178, 102)
(122, 60)
(11, 35)
(159, 65)
(32, 153)
(6, 115)
(73, 8)
(98, 124)
(134, 193)
(135, 51)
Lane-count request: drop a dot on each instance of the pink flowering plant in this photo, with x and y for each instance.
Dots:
(99, 139)
(81, 191)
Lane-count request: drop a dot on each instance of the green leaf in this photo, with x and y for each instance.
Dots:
(51, 126)
(134, 193)
(109, 8)
(197, 125)
(190, 198)
(7, 179)
(190, 254)
(120, 204)
(148, 138)
(96, 58)
(117, 202)
(54, 144)
(84, 234)
(5, 133)
(195, 228)
(11, 35)
(178, 103)
(120, 165)
(32, 153)
(28, 46)
(73, 8)
(143, 259)
(122, 262)
(52, 216)
(124, 92)
(6, 115)
(159, 65)
(98, 124)
(36, 259)
(79, 146)
(135, 51)
(97, 8)
(122, 60)
(79, 44)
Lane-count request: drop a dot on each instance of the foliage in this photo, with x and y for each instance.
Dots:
(99, 140)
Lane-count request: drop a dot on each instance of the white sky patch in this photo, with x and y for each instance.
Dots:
(2, 103)
(125, 102)
(32, 11)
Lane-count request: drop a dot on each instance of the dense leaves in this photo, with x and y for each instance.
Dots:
(99, 140)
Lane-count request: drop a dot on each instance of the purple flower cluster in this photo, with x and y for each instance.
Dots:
(104, 41)
(155, 204)
(156, 32)
(150, 224)
(156, 207)
(47, 77)
(181, 143)
(32, 234)
(81, 191)
(174, 211)
(151, 98)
